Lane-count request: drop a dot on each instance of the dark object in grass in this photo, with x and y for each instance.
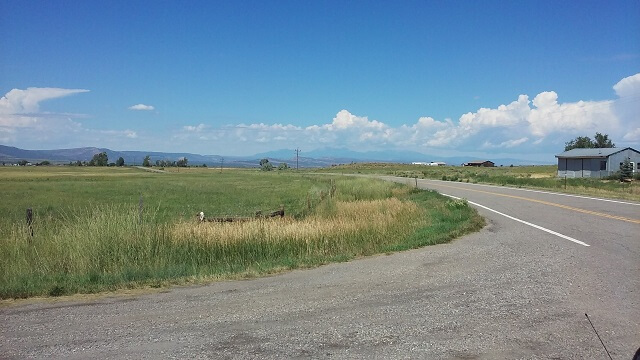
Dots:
(56, 291)
(258, 215)
(30, 220)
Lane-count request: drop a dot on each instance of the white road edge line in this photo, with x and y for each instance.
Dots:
(524, 222)
(543, 192)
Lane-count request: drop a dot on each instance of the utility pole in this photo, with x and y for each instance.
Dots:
(221, 163)
(297, 156)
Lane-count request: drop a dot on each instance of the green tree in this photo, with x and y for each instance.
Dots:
(147, 161)
(626, 169)
(182, 162)
(581, 142)
(585, 142)
(120, 161)
(283, 166)
(100, 159)
(265, 165)
(602, 141)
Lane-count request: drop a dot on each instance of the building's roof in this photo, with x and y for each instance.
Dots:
(592, 153)
(479, 162)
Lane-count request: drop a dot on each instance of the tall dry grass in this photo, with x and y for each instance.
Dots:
(109, 247)
(337, 227)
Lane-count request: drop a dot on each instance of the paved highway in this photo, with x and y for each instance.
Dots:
(520, 288)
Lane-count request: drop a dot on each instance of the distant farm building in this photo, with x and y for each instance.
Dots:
(595, 163)
(433, 163)
(480, 163)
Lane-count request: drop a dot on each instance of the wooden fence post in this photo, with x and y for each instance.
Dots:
(140, 210)
(30, 220)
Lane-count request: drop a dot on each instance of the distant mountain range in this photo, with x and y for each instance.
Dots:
(316, 158)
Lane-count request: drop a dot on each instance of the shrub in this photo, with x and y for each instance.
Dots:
(626, 170)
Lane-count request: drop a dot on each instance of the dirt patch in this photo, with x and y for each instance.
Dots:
(541, 176)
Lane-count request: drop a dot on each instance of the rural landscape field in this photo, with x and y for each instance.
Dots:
(534, 177)
(100, 229)
(319, 179)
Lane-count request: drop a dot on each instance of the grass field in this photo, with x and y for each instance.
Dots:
(538, 177)
(92, 235)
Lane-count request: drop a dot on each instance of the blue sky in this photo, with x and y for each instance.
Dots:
(477, 78)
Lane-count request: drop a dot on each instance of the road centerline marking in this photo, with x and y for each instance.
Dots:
(525, 222)
(621, 218)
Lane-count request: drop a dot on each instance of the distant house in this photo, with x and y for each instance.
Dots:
(595, 163)
(480, 163)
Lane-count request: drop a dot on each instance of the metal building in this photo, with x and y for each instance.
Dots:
(595, 163)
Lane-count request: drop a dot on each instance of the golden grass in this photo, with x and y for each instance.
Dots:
(541, 176)
(336, 220)
(632, 192)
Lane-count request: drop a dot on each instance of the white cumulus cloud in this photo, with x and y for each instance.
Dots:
(141, 107)
(345, 120)
(18, 101)
(196, 128)
(632, 135)
(525, 126)
(529, 125)
(505, 144)
(629, 86)
(24, 124)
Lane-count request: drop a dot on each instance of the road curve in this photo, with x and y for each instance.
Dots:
(509, 291)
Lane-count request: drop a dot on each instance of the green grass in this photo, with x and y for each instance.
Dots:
(89, 235)
(54, 191)
(536, 177)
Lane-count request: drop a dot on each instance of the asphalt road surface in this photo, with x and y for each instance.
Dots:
(519, 289)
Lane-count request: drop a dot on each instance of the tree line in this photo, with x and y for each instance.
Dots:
(585, 142)
(266, 165)
(102, 159)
